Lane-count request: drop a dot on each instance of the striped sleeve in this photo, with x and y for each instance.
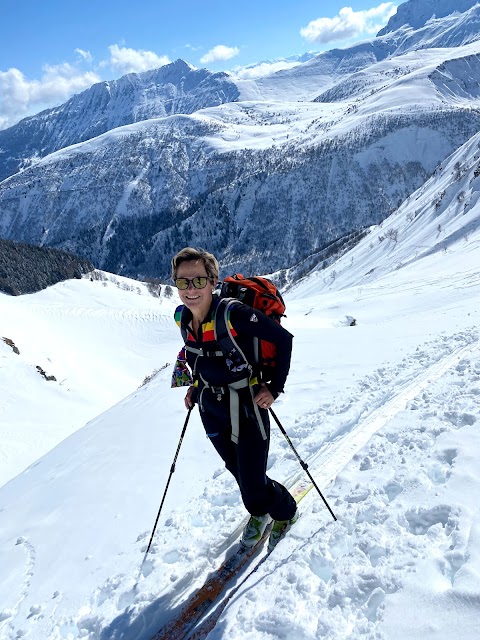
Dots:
(178, 314)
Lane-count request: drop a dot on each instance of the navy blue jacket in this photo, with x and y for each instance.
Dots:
(245, 323)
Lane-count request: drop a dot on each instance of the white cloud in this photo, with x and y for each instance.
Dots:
(220, 52)
(124, 60)
(20, 97)
(61, 81)
(86, 55)
(262, 69)
(192, 47)
(348, 24)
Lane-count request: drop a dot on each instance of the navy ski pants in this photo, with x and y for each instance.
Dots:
(247, 460)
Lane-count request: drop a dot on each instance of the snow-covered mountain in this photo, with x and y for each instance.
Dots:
(180, 88)
(386, 414)
(440, 219)
(417, 14)
(457, 26)
(302, 157)
(268, 67)
(262, 184)
(174, 88)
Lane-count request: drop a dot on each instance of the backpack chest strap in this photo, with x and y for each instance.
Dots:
(204, 352)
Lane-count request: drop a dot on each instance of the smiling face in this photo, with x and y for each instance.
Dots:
(197, 300)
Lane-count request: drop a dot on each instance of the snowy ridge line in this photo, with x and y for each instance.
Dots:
(332, 459)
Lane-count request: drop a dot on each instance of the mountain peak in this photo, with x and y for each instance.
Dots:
(181, 64)
(416, 13)
(171, 70)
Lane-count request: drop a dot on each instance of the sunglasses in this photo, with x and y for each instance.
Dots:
(199, 282)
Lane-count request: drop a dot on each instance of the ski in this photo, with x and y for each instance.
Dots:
(200, 602)
(205, 626)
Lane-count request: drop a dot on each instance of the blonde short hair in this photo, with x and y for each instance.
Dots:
(189, 254)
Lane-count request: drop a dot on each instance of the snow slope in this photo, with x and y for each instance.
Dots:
(386, 413)
(98, 339)
(440, 219)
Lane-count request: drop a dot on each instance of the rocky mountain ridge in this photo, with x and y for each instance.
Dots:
(180, 88)
(174, 88)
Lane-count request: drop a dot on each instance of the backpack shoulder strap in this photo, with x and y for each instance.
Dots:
(224, 337)
(184, 317)
(236, 361)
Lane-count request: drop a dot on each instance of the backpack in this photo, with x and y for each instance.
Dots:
(260, 294)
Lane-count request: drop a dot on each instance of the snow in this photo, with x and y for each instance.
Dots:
(385, 412)
(99, 339)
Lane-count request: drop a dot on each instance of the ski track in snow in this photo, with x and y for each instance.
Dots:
(355, 419)
(338, 450)
(348, 569)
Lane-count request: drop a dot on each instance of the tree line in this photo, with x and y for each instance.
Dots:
(25, 268)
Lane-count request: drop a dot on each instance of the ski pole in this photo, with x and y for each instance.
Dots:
(303, 464)
(172, 470)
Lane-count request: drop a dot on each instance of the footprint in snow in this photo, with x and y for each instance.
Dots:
(172, 557)
(459, 420)
(454, 561)
(108, 590)
(392, 490)
(448, 456)
(420, 521)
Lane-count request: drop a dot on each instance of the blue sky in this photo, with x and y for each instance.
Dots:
(56, 48)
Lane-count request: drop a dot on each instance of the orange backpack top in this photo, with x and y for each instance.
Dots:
(261, 294)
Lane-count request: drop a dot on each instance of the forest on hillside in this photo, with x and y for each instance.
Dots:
(25, 268)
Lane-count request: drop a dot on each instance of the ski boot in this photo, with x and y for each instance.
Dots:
(279, 529)
(254, 530)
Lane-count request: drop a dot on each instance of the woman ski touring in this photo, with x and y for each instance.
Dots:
(234, 403)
